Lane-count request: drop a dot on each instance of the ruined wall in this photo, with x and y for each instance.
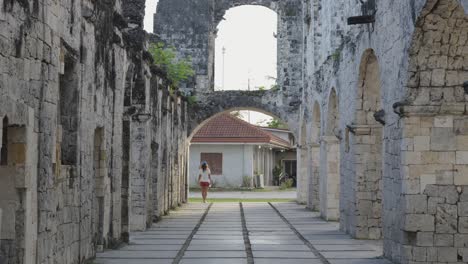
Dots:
(194, 37)
(76, 93)
(417, 47)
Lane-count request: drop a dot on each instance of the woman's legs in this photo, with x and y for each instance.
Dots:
(204, 193)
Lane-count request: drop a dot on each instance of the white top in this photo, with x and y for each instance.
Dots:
(204, 175)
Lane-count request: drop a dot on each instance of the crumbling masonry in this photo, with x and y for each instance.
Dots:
(94, 142)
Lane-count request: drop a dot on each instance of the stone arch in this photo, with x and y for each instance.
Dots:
(314, 182)
(362, 215)
(434, 135)
(211, 104)
(199, 30)
(263, 165)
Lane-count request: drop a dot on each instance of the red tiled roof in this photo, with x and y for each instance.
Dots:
(226, 128)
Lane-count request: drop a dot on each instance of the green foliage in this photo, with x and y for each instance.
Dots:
(336, 55)
(276, 173)
(275, 123)
(288, 184)
(192, 99)
(262, 88)
(247, 181)
(275, 88)
(177, 69)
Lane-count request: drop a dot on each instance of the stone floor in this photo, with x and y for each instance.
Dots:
(232, 233)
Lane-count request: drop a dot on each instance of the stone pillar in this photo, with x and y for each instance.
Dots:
(302, 174)
(330, 178)
(314, 178)
(139, 174)
(434, 184)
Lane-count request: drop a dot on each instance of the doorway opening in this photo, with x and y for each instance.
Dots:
(244, 158)
(246, 49)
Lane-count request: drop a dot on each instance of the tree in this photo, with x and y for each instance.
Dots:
(177, 69)
(275, 123)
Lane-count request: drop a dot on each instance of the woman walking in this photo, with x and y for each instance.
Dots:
(204, 179)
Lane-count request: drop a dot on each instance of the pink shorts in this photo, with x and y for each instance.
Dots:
(204, 184)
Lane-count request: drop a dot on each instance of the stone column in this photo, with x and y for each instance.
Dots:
(314, 178)
(330, 178)
(302, 174)
(139, 174)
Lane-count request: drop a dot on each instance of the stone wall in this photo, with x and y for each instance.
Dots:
(81, 138)
(405, 114)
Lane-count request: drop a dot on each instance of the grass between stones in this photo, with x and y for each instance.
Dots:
(241, 200)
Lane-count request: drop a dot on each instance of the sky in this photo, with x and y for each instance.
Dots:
(247, 34)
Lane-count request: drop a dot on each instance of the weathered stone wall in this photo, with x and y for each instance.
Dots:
(80, 137)
(194, 37)
(419, 134)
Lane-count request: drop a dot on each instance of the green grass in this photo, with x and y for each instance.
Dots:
(243, 190)
(237, 200)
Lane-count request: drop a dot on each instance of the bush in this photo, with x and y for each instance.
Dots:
(177, 69)
(288, 184)
(247, 181)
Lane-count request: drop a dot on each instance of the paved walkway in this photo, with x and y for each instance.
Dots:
(248, 195)
(230, 233)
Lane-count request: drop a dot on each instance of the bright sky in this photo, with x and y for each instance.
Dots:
(247, 34)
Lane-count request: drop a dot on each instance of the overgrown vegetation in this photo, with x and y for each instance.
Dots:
(275, 123)
(287, 184)
(192, 99)
(247, 181)
(178, 70)
(276, 174)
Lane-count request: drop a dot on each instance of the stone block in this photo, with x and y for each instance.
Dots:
(450, 193)
(443, 121)
(446, 219)
(425, 239)
(462, 157)
(463, 225)
(419, 222)
(422, 143)
(443, 240)
(443, 139)
(461, 240)
(447, 254)
(438, 78)
(463, 209)
(416, 204)
(461, 175)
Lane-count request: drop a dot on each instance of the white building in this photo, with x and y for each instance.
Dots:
(235, 149)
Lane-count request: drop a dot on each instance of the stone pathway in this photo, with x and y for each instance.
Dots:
(232, 233)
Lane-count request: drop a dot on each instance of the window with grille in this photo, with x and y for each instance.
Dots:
(215, 162)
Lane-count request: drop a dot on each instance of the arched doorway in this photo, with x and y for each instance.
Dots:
(314, 181)
(330, 172)
(241, 154)
(364, 143)
(246, 49)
